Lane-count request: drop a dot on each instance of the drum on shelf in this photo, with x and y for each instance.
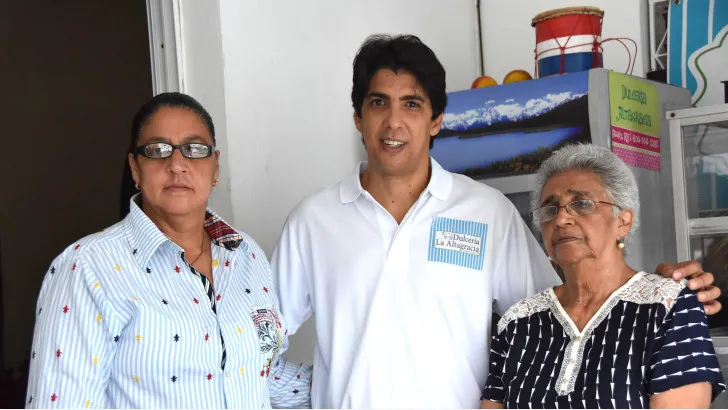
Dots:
(568, 40)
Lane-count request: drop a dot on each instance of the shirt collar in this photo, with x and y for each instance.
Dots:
(439, 185)
(145, 237)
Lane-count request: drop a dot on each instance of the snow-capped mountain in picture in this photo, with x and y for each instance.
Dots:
(510, 129)
(491, 113)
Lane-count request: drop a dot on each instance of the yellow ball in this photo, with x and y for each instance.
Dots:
(516, 76)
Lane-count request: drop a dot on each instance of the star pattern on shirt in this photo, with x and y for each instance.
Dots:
(89, 356)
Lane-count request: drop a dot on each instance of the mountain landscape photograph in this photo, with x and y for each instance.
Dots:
(510, 129)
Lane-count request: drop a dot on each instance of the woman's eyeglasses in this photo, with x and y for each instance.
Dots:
(160, 150)
(581, 207)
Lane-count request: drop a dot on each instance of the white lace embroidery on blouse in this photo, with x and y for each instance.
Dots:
(525, 308)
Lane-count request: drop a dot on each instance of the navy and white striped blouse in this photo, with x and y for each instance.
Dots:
(650, 336)
(123, 321)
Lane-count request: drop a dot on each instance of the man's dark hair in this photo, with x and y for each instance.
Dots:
(404, 52)
(171, 100)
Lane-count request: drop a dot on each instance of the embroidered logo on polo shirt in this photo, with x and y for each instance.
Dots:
(457, 242)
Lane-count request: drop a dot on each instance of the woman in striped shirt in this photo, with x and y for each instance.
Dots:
(171, 307)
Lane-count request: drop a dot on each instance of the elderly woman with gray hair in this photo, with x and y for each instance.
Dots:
(610, 336)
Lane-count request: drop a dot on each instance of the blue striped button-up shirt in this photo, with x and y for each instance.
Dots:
(122, 321)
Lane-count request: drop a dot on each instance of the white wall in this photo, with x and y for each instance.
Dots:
(202, 70)
(509, 39)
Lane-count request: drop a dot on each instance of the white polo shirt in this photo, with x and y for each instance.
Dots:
(403, 311)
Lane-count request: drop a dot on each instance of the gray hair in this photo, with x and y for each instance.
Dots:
(618, 181)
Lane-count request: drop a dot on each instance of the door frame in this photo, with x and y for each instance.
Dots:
(165, 45)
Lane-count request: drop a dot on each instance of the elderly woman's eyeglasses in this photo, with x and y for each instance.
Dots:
(160, 150)
(580, 207)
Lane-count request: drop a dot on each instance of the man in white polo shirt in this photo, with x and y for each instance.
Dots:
(402, 261)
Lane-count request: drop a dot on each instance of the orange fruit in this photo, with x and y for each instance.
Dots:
(483, 81)
(516, 76)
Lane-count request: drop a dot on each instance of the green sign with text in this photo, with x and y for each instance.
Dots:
(633, 104)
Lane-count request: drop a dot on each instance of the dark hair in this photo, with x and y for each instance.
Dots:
(172, 100)
(403, 52)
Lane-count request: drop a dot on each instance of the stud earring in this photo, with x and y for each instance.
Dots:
(137, 187)
(215, 182)
(620, 243)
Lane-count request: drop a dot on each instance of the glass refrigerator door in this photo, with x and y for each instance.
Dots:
(699, 141)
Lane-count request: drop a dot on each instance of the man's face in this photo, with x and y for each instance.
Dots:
(396, 123)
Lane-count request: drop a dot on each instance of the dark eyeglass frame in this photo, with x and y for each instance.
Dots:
(184, 149)
(569, 208)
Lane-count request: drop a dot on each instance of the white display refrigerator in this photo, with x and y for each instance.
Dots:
(586, 106)
(699, 139)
